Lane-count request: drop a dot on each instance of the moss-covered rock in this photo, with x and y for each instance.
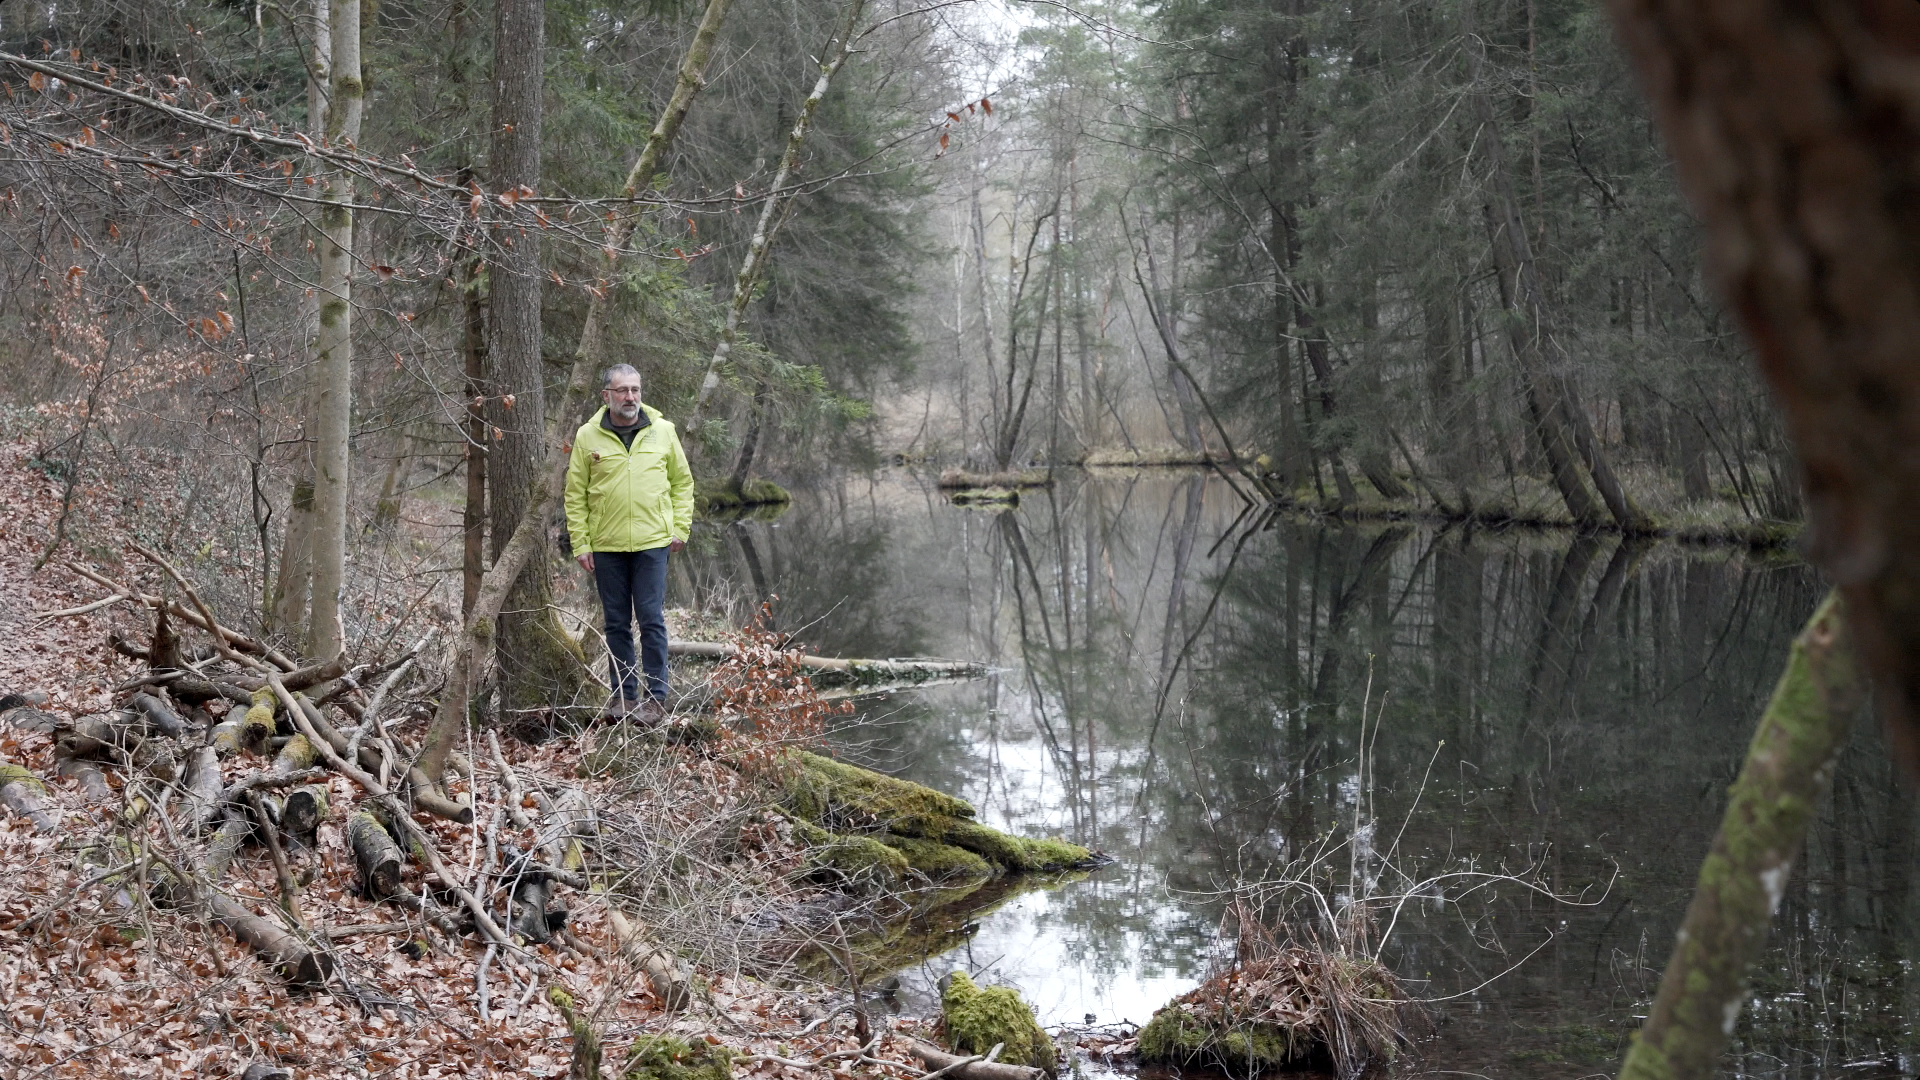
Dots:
(977, 1019)
(935, 831)
(666, 1057)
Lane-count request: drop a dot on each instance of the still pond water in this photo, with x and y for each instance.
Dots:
(1188, 694)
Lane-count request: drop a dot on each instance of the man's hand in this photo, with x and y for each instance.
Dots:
(675, 546)
(586, 561)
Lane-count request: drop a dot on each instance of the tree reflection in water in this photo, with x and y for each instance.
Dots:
(1181, 688)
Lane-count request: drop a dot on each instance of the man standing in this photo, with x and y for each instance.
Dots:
(630, 503)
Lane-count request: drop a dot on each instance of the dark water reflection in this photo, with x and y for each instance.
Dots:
(1186, 694)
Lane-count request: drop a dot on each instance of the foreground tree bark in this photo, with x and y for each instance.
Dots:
(1788, 771)
(1795, 128)
(333, 352)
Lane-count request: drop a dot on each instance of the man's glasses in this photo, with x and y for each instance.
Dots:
(624, 391)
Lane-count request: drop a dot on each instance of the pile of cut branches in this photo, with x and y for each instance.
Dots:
(239, 863)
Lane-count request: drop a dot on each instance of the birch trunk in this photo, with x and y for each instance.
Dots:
(288, 611)
(754, 264)
(333, 361)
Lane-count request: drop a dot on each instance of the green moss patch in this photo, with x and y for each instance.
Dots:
(665, 1057)
(15, 774)
(937, 861)
(977, 1019)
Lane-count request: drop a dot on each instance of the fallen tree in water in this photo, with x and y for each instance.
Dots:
(894, 826)
(858, 671)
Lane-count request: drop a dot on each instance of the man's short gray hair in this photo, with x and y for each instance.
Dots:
(618, 369)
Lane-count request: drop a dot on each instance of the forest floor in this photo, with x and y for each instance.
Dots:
(95, 980)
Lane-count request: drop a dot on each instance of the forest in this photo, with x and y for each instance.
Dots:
(1108, 421)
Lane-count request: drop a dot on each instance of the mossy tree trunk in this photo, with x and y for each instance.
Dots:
(1788, 769)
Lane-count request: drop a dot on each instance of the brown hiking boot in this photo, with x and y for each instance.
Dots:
(617, 709)
(650, 712)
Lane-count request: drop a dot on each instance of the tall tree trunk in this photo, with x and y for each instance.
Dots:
(333, 363)
(1564, 430)
(754, 264)
(473, 523)
(287, 614)
(1316, 349)
(538, 663)
(529, 532)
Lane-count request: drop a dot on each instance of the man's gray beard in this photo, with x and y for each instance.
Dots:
(625, 416)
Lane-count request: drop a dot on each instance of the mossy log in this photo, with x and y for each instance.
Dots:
(256, 724)
(226, 843)
(375, 855)
(22, 793)
(934, 831)
(1789, 767)
(586, 1040)
(304, 808)
(977, 1019)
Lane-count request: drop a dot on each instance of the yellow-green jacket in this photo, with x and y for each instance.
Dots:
(628, 500)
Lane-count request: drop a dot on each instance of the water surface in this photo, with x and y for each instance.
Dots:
(1183, 687)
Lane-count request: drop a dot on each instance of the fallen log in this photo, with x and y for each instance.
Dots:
(159, 715)
(195, 690)
(720, 650)
(203, 788)
(22, 793)
(664, 977)
(22, 712)
(299, 678)
(425, 796)
(97, 735)
(375, 856)
(92, 781)
(961, 1068)
(295, 962)
(305, 807)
